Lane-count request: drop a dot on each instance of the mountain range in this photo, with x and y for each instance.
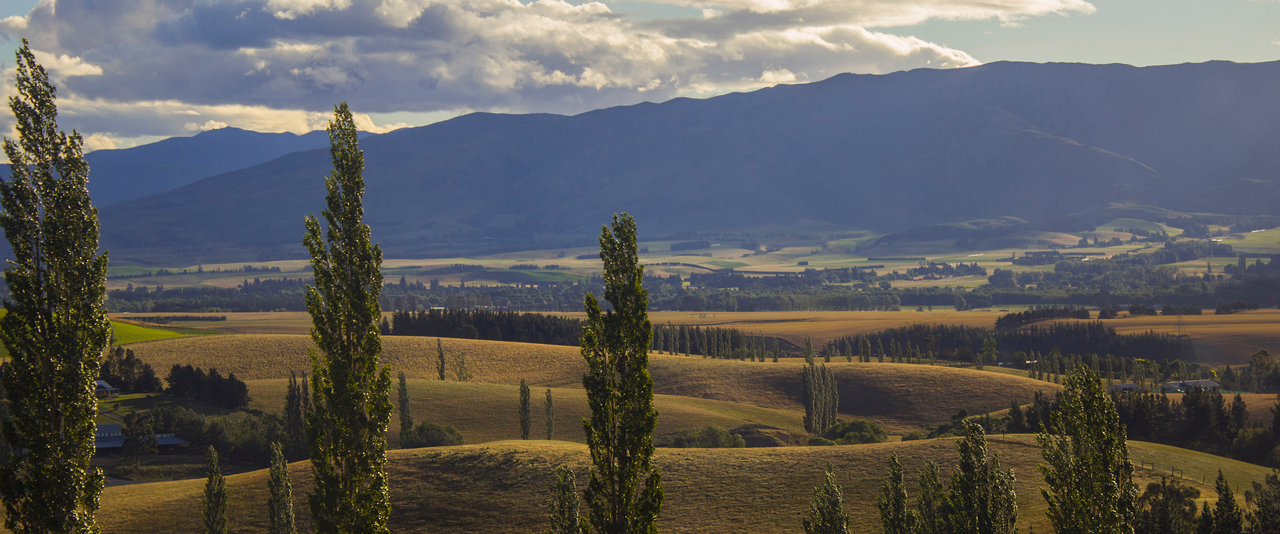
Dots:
(1036, 142)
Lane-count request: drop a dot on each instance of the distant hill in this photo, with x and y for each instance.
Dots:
(128, 173)
(1038, 142)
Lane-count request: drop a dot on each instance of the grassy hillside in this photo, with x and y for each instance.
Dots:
(901, 397)
(500, 487)
(1220, 339)
(489, 412)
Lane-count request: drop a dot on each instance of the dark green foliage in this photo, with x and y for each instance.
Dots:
(819, 441)
(855, 432)
(930, 511)
(228, 393)
(1041, 313)
(1087, 468)
(549, 411)
(1167, 507)
(55, 329)
(1227, 516)
(297, 404)
(491, 325)
(280, 501)
(461, 371)
(821, 398)
(980, 497)
(619, 390)
(564, 504)
(440, 363)
(215, 495)
(808, 350)
(1070, 338)
(1266, 503)
(406, 417)
(526, 411)
(139, 437)
(1204, 523)
(709, 437)
(826, 512)
(428, 434)
(124, 370)
(352, 395)
(895, 516)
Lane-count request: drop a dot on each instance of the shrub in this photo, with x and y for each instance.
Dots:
(819, 441)
(914, 435)
(428, 434)
(855, 432)
(709, 437)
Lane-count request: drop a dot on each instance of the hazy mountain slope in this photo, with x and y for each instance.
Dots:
(1035, 142)
(123, 174)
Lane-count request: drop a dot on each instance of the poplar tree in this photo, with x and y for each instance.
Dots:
(1087, 467)
(980, 497)
(808, 351)
(564, 504)
(895, 517)
(620, 393)
(215, 495)
(295, 418)
(440, 358)
(406, 418)
(526, 411)
(930, 517)
(352, 395)
(826, 511)
(55, 329)
(280, 503)
(550, 411)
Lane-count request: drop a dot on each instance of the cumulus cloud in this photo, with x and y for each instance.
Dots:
(138, 67)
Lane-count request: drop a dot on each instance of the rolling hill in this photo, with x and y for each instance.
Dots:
(501, 487)
(1032, 141)
(901, 397)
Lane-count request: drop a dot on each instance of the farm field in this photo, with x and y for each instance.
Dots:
(1220, 339)
(500, 487)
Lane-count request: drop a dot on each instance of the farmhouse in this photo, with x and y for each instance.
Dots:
(104, 390)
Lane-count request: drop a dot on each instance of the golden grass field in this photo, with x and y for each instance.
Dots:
(899, 396)
(1220, 339)
(500, 487)
(489, 412)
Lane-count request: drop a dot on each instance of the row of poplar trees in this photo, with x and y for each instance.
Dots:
(55, 330)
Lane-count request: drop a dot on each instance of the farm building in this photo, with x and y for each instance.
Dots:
(1122, 388)
(104, 390)
(1188, 385)
(110, 437)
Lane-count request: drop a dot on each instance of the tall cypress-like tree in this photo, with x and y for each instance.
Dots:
(564, 504)
(280, 502)
(826, 512)
(895, 516)
(55, 329)
(406, 417)
(930, 516)
(526, 410)
(1087, 465)
(550, 411)
(620, 393)
(295, 418)
(440, 366)
(980, 497)
(215, 495)
(352, 395)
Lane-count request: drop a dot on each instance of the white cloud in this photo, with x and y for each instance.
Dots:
(152, 67)
(208, 125)
(64, 65)
(292, 9)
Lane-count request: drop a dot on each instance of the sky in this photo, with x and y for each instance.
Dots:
(136, 71)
